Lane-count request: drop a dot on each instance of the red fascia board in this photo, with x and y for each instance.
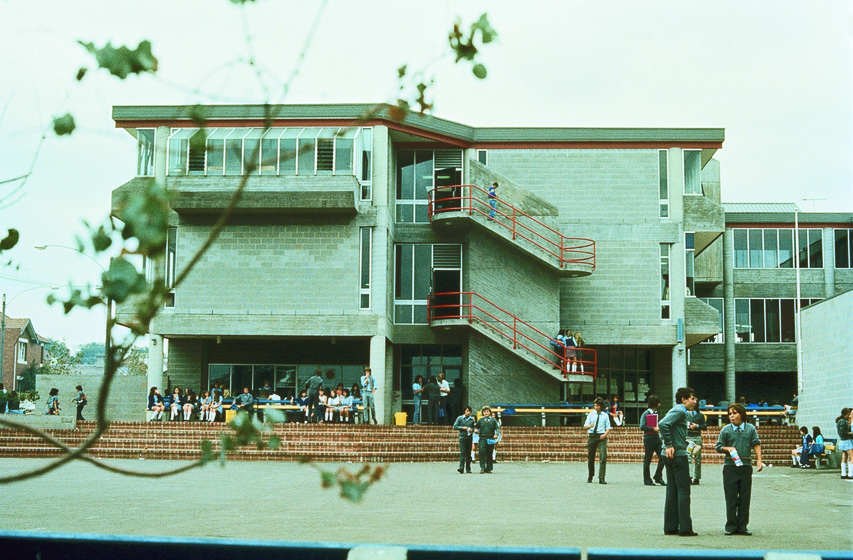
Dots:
(789, 225)
(594, 145)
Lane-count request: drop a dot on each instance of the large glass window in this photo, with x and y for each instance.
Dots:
(365, 246)
(664, 281)
(663, 179)
(413, 278)
(774, 248)
(689, 254)
(767, 320)
(428, 360)
(692, 172)
(844, 248)
(170, 272)
(416, 176)
(286, 379)
(145, 152)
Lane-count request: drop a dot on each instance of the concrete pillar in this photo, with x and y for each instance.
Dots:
(828, 238)
(161, 138)
(678, 288)
(155, 362)
(729, 312)
(381, 367)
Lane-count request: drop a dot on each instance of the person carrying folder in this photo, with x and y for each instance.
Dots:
(651, 442)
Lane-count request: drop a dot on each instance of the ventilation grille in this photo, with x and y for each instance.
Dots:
(448, 158)
(447, 256)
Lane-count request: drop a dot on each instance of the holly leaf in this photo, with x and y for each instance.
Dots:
(63, 125)
(10, 240)
(121, 62)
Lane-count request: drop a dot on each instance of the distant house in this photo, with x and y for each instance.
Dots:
(23, 347)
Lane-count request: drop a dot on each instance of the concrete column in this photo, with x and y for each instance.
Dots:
(381, 267)
(161, 138)
(155, 362)
(729, 312)
(828, 238)
(381, 366)
(675, 173)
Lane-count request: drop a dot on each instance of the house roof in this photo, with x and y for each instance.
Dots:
(146, 116)
(22, 325)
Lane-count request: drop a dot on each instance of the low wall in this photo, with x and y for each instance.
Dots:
(127, 401)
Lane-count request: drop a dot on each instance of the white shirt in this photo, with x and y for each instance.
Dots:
(444, 387)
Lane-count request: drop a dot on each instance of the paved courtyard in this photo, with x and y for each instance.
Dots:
(521, 504)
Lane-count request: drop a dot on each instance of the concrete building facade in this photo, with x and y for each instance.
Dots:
(363, 240)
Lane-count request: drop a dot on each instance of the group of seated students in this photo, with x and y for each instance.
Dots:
(810, 447)
(335, 405)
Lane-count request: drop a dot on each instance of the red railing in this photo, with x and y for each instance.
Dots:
(475, 201)
(472, 307)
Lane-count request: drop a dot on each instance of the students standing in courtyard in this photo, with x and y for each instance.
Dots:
(487, 428)
(737, 440)
(465, 426)
(651, 442)
(673, 432)
(368, 388)
(845, 442)
(598, 426)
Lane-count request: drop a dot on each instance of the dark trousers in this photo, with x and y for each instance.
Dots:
(737, 486)
(442, 406)
(676, 512)
(485, 450)
(314, 406)
(80, 412)
(465, 453)
(652, 446)
(432, 411)
(804, 456)
(593, 443)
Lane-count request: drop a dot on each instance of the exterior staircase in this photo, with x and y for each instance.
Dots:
(468, 205)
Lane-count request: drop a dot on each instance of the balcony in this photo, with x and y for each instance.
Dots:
(271, 195)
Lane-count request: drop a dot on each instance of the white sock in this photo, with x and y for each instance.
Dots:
(843, 469)
(159, 415)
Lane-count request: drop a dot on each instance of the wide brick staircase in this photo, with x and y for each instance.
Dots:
(363, 443)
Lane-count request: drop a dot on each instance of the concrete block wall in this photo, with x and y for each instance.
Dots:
(496, 375)
(827, 363)
(185, 363)
(127, 401)
(263, 264)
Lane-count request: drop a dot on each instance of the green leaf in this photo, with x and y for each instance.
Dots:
(479, 71)
(487, 33)
(10, 240)
(328, 479)
(122, 61)
(101, 240)
(122, 280)
(274, 442)
(63, 125)
(198, 115)
(146, 217)
(401, 71)
(274, 416)
(81, 72)
(207, 453)
(353, 491)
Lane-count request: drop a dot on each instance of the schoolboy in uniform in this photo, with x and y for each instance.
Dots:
(737, 440)
(673, 432)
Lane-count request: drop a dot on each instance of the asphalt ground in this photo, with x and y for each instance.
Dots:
(521, 504)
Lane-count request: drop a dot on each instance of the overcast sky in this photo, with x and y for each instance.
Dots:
(775, 74)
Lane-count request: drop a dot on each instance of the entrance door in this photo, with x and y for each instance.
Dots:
(444, 281)
(448, 199)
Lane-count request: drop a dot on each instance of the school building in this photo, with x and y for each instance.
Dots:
(364, 240)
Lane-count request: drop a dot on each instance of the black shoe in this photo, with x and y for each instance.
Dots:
(670, 532)
(460, 471)
(661, 482)
(468, 471)
(745, 533)
(601, 481)
(695, 482)
(650, 483)
(482, 471)
(589, 480)
(689, 534)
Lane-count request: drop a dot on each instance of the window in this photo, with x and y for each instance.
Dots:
(844, 248)
(716, 303)
(420, 270)
(767, 320)
(414, 181)
(663, 179)
(22, 352)
(774, 248)
(365, 246)
(483, 157)
(664, 281)
(364, 146)
(145, 152)
(692, 172)
(170, 274)
(689, 274)
(428, 361)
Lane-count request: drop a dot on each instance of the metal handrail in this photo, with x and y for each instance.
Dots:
(510, 327)
(462, 199)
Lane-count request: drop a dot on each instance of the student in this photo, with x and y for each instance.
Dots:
(651, 443)
(696, 424)
(81, 402)
(368, 388)
(204, 405)
(177, 403)
(155, 404)
(845, 442)
(465, 426)
(817, 448)
(417, 389)
(487, 428)
(345, 406)
(598, 426)
(215, 406)
(53, 403)
(737, 440)
(802, 450)
(673, 432)
(493, 201)
(302, 401)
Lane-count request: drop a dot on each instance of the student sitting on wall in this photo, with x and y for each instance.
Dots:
(345, 406)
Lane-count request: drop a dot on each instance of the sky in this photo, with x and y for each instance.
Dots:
(775, 74)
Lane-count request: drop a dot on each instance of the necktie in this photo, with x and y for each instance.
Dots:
(597, 418)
